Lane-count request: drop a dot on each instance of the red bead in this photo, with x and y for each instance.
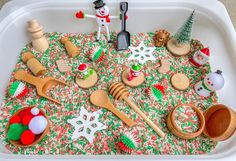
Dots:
(82, 67)
(15, 119)
(27, 137)
(26, 119)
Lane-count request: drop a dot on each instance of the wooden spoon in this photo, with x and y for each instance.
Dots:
(101, 99)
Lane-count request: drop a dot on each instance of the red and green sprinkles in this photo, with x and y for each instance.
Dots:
(109, 70)
(187, 119)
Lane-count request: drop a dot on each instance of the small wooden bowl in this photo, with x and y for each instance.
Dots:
(220, 122)
(173, 127)
(38, 138)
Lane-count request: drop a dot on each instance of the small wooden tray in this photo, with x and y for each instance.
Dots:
(38, 138)
(172, 126)
(220, 122)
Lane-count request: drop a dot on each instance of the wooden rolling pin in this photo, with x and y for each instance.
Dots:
(119, 92)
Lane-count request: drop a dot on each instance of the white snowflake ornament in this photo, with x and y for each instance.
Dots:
(141, 53)
(86, 124)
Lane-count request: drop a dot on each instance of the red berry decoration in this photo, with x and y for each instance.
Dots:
(26, 119)
(82, 67)
(27, 137)
(15, 119)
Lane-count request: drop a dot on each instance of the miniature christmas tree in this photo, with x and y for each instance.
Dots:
(183, 36)
(179, 45)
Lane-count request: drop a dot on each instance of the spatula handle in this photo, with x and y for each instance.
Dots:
(122, 116)
(24, 76)
(148, 121)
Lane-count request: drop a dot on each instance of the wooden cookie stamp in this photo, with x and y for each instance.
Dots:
(180, 81)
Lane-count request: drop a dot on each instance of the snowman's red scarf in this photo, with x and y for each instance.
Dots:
(106, 17)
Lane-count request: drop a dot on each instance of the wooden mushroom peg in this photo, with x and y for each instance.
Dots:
(119, 92)
(39, 41)
(71, 49)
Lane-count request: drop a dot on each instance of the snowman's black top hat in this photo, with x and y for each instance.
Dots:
(99, 4)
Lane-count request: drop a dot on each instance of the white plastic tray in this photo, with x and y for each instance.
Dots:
(212, 26)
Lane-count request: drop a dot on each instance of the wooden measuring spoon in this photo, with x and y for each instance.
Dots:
(119, 92)
(101, 99)
(41, 84)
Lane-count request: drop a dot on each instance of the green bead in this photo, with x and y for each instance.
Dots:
(15, 131)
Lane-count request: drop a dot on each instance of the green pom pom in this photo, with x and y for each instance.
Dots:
(15, 131)
(13, 88)
(128, 142)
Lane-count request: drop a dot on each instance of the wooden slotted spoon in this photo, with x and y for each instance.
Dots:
(42, 84)
(119, 92)
(101, 99)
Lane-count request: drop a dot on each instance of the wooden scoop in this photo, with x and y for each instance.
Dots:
(42, 85)
(101, 99)
(119, 92)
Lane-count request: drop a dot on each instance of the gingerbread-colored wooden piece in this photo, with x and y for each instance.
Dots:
(101, 99)
(165, 66)
(137, 81)
(180, 81)
(161, 38)
(178, 50)
(173, 127)
(119, 92)
(38, 137)
(88, 82)
(34, 65)
(220, 122)
(42, 84)
(71, 49)
(39, 41)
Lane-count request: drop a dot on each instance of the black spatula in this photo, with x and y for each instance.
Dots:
(123, 38)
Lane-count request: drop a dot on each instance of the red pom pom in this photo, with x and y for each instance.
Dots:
(15, 119)
(25, 112)
(79, 14)
(27, 137)
(26, 119)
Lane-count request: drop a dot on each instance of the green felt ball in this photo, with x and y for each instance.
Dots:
(128, 141)
(15, 131)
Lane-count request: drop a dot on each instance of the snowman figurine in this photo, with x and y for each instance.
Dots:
(200, 57)
(102, 16)
(212, 82)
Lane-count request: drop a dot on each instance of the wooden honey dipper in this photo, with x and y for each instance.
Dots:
(119, 92)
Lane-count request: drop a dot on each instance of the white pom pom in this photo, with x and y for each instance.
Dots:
(38, 124)
(34, 111)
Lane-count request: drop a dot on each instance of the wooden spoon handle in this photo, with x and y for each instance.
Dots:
(119, 114)
(148, 121)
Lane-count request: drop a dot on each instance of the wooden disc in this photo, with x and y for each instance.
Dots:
(178, 51)
(180, 81)
(137, 81)
(87, 83)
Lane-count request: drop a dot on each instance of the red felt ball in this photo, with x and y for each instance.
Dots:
(15, 119)
(27, 137)
(26, 119)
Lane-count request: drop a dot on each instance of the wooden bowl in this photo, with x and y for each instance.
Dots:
(38, 138)
(173, 127)
(220, 122)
